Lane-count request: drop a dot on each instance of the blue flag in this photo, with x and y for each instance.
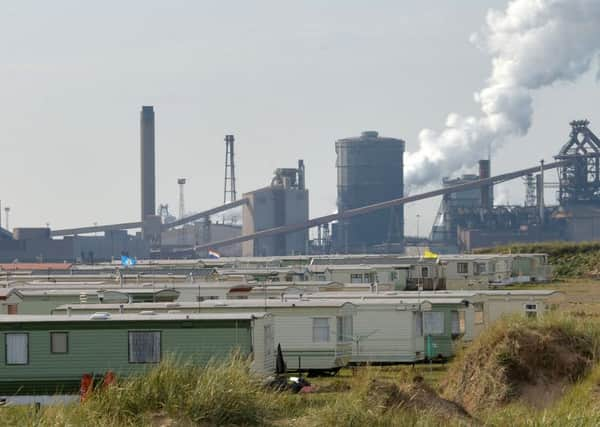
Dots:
(127, 261)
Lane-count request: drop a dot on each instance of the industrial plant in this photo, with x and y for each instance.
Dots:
(275, 219)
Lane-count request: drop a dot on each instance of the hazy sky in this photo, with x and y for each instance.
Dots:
(286, 78)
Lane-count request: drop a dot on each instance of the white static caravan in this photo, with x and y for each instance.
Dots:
(388, 331)
(43, 301)
(487, 306)
(315, 335)
(484, 306)
(471, 272)
(444, 319)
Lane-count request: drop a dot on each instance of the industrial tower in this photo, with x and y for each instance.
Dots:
(229, 194)
(181, 182)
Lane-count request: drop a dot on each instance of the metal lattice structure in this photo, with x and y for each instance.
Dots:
(530, 190)
(579, 180)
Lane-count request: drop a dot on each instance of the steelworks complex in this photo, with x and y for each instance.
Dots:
(369, 219)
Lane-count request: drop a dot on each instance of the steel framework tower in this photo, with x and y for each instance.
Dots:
(229, 194)
(530, 190)
(579, 181)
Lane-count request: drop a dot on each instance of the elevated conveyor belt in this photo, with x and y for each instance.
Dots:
(382, 205)
(133, 225)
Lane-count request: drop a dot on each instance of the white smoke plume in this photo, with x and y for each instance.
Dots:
(533, 44)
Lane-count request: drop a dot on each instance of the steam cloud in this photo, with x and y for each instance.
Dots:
(533, 44)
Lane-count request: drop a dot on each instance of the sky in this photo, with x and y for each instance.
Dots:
(286, 78)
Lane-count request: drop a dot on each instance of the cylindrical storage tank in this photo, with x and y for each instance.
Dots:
(370, 169)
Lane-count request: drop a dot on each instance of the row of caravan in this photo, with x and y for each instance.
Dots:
(432, 272)
(316, 332)
(387, 327)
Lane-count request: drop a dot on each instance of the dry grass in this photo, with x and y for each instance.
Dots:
(517, 358)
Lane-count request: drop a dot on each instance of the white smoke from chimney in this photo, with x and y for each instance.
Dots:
(533, 44)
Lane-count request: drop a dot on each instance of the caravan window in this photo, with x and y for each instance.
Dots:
(345, 329)
(418, 323)
(356, 278)
(462, 267)
(480, 268)
(59, 342)
(433, 322)
(458, 322)
(269, 341)
(321, 329)
(144, 347)
(531, 310)
(349, 327)
(17, 349)
(424, 272)
(340, 329)
(478, 308)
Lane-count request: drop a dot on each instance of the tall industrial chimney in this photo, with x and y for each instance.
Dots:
(148, 176)
(487, 201)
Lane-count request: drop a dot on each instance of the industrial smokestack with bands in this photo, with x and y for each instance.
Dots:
(148, 175)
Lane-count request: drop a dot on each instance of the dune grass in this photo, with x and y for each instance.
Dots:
(517, 352)
(176, 393)
(225, 393)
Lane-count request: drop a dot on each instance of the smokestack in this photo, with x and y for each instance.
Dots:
(540, 192)
(301, 175)
(486, 190)
(181, 182)
(148, 176)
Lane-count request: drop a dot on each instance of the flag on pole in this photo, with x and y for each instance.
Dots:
(429, 255)
(127, 261)
(213, 254)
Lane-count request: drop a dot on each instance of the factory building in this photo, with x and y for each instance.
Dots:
(200, 232)
(468, 220)
(36, 245)
(462, 209)
(284, 202)
(370, 169)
